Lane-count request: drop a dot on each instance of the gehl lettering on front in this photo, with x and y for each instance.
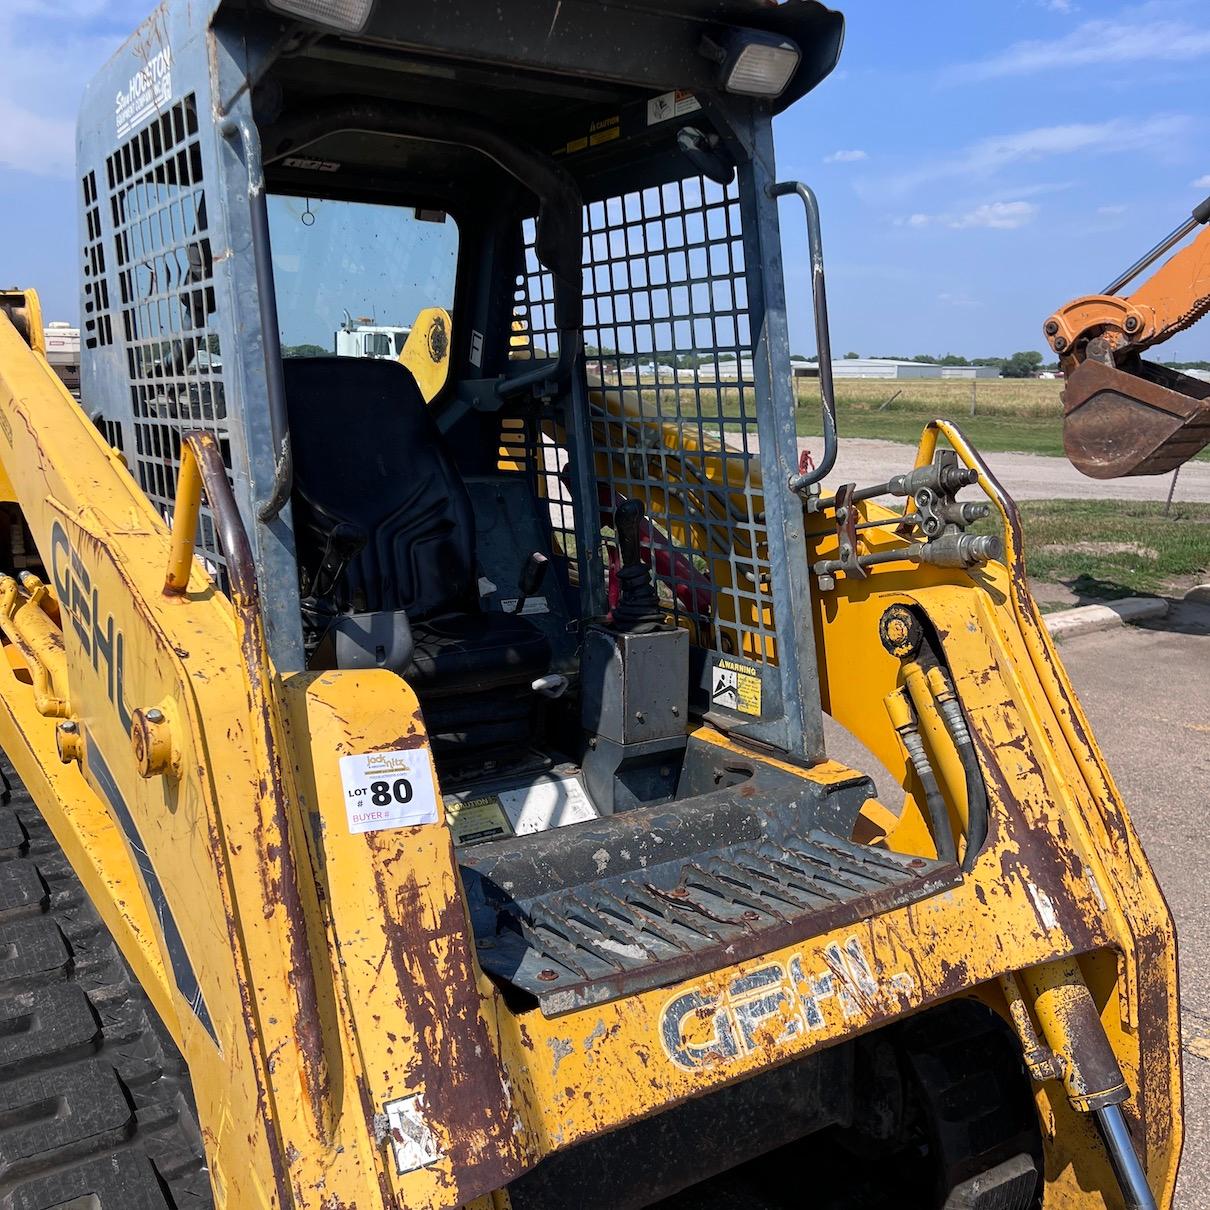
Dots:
(771, 1005)
(101, 642)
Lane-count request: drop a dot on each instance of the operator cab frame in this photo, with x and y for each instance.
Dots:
(544, 181)
(581, 546)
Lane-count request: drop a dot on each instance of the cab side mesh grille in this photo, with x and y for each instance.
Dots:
(98, 322)
(669, 349)
(166, 284)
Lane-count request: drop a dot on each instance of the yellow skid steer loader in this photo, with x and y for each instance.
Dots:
(416, 783)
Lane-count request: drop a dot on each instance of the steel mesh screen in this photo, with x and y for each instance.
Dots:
(98, 323)
(669, 358)
(167, 299)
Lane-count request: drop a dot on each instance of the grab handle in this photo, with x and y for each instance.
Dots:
(823, 341)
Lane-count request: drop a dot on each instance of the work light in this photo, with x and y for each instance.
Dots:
(755, 64)
(349, 16)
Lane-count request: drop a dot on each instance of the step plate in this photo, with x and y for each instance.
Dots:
(649, 927)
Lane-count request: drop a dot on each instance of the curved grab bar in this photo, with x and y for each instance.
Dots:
(823, 341)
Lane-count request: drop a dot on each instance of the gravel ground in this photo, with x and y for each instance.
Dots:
(864, 460)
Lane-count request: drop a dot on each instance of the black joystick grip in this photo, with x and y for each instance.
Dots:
(638, 608)
(628, 517)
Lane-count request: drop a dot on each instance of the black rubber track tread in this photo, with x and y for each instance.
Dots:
(95, 1104)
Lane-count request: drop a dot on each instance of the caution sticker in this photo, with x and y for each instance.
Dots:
(548, 801)
(476, 819)
(735, 686)
(671, 105)
(388, 789)
(530, 605)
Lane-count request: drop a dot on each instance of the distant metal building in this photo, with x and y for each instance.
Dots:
(887, 367)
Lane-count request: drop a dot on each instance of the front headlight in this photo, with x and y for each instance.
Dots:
(756, 64)
(348, 16)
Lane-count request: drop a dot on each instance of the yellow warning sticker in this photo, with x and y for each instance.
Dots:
(603, 130)
(476, 819)
(735, 686)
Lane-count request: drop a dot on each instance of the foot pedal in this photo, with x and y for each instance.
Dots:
(1007, 1186)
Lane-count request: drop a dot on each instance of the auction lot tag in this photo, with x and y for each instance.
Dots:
(388, 789)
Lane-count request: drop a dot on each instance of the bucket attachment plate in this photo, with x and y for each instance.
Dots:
(1143, 421)
(640, 923)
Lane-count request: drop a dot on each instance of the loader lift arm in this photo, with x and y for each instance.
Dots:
(1123, 415)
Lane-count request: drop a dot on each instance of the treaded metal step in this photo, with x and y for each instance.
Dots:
(658, 923)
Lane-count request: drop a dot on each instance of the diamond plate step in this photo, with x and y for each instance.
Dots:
(644, 923)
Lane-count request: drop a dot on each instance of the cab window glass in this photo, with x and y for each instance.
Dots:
(352, 276)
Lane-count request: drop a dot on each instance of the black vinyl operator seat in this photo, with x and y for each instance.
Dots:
(385, 536)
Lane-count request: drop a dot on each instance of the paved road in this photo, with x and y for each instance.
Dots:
(1147, 695)
(865, 460)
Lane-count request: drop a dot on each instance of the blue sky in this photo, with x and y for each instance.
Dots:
(976, 163)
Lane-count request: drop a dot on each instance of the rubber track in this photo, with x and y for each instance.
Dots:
(95, 1104)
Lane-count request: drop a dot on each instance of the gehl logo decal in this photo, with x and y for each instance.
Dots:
(101, 641)
(772, 1005)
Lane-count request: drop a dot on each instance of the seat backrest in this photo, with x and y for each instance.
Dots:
(368, 453)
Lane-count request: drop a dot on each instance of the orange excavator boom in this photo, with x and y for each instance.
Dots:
(1124, 415)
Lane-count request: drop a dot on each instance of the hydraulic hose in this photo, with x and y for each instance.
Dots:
(904, 723)
(950, 710)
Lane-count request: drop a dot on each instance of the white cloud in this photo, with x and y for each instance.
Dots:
(1096, 43)
(845, 157)
(1119, 134)
(50, 51)
(1058, 6)
(37, 144)
(1202, 182)
(958, 298)
(999, 216)
(1111, 211)
(984, 158)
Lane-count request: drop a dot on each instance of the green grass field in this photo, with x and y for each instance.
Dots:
(1018, 414)
(1021, 415)
(1107, 549)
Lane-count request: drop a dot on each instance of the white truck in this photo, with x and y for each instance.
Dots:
(361, 337)
(63, 352)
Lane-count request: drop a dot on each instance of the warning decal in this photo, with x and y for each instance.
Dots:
(735, 686)
(671, 105)
(547, 801)
(476, 819)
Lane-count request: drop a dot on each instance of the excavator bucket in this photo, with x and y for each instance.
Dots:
(1144, 420)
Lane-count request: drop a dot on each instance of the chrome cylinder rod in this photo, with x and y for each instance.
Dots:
(1130, 1174)
(1200, 215)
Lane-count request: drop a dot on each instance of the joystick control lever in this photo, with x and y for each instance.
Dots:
(638, 609)
(533, 573)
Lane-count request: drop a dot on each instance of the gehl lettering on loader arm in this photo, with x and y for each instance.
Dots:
(420, 795)
(100, 641)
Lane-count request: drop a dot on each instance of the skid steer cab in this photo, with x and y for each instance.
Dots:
(425, 752)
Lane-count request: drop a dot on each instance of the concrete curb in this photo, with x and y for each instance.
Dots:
(1085, 619)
